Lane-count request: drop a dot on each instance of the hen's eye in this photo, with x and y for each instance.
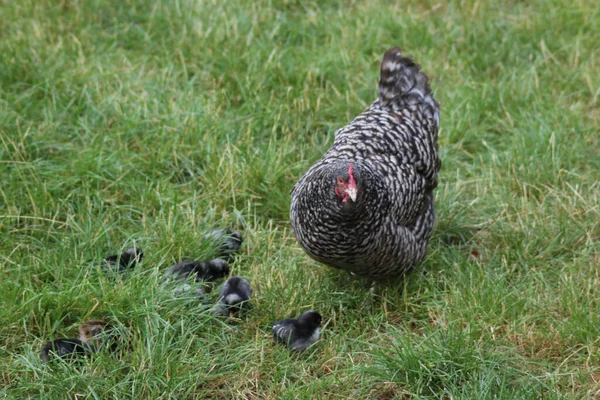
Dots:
(340, 181)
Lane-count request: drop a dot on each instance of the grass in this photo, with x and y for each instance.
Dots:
(151, 122)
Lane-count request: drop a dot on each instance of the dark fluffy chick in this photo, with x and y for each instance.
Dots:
(128, 259)
(201, 270)
(65, 348)
(367, 205)
(227, 240)
(234, 294)
(298, 333)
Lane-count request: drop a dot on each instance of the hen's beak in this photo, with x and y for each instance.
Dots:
(352, 193)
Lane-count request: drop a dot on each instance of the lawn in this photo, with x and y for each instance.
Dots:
(152, 122)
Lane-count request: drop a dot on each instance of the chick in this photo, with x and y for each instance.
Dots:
(65, 348)
(100, 335)
(203, 270)
(95, 333)
(298, 333)
(234, 295)
(227, 240)
(128, 259)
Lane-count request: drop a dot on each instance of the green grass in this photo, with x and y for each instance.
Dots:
(151, 122)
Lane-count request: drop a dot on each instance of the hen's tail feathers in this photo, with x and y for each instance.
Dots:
(402, 84)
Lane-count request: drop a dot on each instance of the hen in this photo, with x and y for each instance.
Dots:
(367, 205)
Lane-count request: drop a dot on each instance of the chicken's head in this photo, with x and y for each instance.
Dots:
(345, 186)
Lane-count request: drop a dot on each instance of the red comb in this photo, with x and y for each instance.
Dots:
(352, 182)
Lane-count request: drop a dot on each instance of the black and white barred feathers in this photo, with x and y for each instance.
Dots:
(367, 205)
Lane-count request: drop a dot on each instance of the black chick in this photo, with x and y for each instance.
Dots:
(203, 270)
(227, 240)
(298, 333)
(65, 348)
(128, 259)
(234, 295)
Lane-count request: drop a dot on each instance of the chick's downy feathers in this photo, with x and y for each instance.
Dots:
(227, 240)
(65, 348)
(234, 295)
(235, 292)
(298, 333)
(210, 270)
(124, 261)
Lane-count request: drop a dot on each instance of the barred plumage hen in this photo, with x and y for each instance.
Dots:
(367, 205)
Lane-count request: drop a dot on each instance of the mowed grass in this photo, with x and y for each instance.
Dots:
(151, 122)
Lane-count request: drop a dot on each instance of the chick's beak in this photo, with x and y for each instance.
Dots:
(352, 193)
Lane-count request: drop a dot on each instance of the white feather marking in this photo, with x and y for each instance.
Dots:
(391, 66)
(233, 298)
